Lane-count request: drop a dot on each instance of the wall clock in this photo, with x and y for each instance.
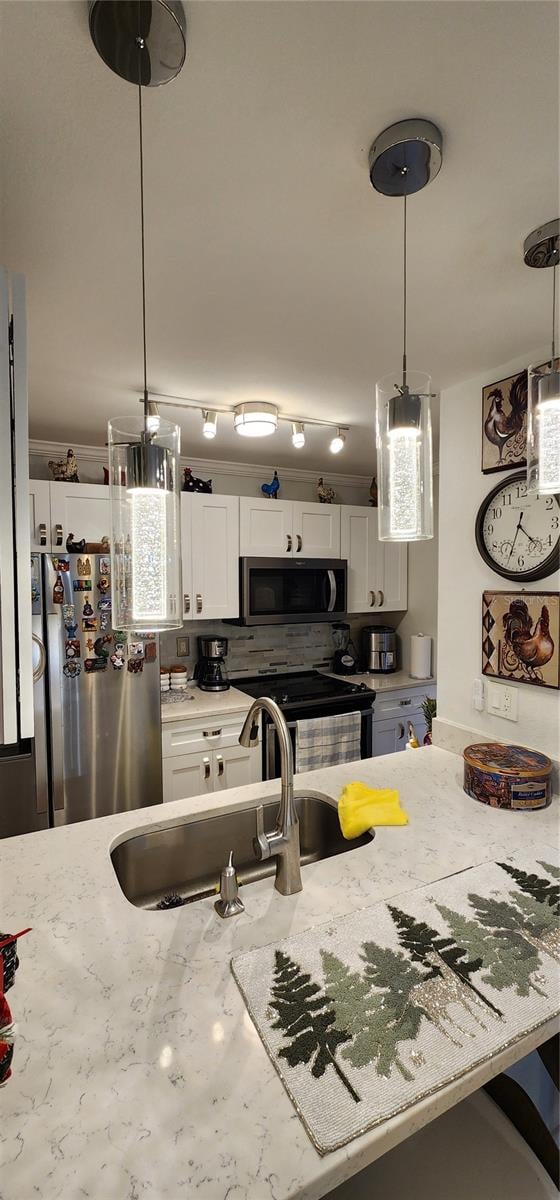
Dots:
(518, 533)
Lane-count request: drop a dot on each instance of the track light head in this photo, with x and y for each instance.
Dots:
(298, 434)
(337, 442)
(209, 423)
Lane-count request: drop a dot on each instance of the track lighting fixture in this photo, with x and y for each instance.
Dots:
(255, 419)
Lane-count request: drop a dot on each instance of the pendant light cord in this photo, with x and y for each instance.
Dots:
(404, 289)
(141, 44)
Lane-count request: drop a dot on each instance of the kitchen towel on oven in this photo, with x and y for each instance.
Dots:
(327, 741)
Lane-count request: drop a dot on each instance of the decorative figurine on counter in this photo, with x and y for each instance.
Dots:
(58, 591)
(271, 489)
(191, 483)
(75, 547)
(66, 469)
(325, 494)
(373, 493)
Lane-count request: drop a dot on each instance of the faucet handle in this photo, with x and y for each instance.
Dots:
(261, 844)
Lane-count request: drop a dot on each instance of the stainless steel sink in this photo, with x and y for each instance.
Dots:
(184, 860)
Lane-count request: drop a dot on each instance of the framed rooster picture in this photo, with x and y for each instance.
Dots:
(520, 637)
(504, 424)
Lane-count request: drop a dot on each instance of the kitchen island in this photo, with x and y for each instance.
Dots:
(137, 1070)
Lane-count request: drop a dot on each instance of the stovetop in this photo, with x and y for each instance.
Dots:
(303, 690)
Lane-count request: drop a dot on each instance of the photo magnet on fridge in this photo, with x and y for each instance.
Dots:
(135, 649)
(72, 648)
(104, 566)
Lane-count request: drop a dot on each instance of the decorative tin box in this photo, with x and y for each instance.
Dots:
(507, 776)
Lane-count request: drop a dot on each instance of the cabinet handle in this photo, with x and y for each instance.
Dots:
(206, 768)
(186, 603)
(299, 543)
(400, 732)
(381, 597)
(211, 732)
(289, 546)
(404, 703)
(220, 763)
(58, 535)
(372, 601)
(198, 602)
(42, 535)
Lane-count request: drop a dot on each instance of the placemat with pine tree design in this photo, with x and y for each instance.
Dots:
(364, 1016)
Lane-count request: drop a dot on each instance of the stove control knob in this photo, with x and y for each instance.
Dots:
(284, 698)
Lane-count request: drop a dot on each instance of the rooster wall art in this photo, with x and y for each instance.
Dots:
(520, 635)
(504, 418)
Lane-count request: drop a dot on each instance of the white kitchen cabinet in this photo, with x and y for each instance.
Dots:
(60, 509)
(377, 571)
(187, 775)
(203, 755)
(265, 528)
(288, 528)
(39, 515)
(210, 556)
(235, 766)
(391, 714)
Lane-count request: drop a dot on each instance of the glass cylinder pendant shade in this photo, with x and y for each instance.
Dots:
(543, 428)
(145, 542)
(404, 458)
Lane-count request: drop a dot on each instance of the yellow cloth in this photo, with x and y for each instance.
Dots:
(361, 808)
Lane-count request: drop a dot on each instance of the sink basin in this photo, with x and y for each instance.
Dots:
(185, 859)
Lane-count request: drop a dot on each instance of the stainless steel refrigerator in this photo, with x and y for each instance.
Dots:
(96, 696)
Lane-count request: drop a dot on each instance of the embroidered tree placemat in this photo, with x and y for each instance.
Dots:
(364, 1016)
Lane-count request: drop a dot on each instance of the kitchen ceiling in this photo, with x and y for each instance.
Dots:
(273, 269)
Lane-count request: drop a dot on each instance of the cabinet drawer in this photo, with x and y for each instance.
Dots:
(200, 737)
(395, 704)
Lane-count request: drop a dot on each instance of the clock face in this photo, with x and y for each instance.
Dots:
(517, 532)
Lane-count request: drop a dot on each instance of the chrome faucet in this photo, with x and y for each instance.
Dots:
(283, 842)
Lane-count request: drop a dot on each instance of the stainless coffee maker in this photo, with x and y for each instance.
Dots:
(379, 649)
(210, 671)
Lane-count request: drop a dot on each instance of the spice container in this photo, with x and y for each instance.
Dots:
(505, 776)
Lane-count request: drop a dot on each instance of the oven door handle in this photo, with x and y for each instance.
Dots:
(332, 581)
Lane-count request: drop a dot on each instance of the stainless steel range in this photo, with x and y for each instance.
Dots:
(308, 694)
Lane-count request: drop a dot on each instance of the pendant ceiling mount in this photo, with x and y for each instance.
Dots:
(405, 157)
(542, 247)
(116, 25)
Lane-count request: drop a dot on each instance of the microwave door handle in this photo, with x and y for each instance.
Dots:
(332, 582)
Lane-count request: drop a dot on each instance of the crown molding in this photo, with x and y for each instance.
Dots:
(203, 466)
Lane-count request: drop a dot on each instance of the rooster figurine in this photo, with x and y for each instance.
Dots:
(533, 647)
(325, 494)
(499, 426)
(271, 489)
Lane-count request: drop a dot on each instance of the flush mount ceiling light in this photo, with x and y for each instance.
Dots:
(337, 442)
(209, 423)
(542, 249)
(402, 161)
(144, 43)
(298, 435)
(255, 419)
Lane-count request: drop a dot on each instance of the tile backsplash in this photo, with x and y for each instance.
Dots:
(257, 648)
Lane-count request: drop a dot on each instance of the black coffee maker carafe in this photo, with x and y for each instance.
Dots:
(210, 671)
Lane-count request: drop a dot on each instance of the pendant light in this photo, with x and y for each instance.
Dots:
(542, 249)
(403, 160)
(143, 42)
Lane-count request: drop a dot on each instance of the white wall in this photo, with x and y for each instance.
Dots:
(463, 576)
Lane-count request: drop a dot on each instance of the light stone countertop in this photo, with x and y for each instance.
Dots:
(394, 681)
(196, 703)
(137, 1071)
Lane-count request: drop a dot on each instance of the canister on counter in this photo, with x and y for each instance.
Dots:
(506, 776)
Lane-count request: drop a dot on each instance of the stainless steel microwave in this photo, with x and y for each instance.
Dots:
(275, 592)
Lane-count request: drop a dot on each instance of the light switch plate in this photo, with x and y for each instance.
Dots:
(502, 701)
(183, 647)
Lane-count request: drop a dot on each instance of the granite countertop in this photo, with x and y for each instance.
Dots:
(195, 703)
(137, 1070)
(393, 682)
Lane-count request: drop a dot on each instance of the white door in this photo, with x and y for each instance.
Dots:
(214, 536)
(235, 766)
(316, 530)
(187, 775)
(359, 546)
(80, 509)
(39, 515)
(392, 588)
(265, 528)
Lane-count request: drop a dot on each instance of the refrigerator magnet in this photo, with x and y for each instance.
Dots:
(105, 566)
(135, 649)
(117, 661)
(94, 664)
(150, 652)
(104, 604)
(61, 564)
(101, 646)
(84, 566)
(89, 624)
(135, 665)
(104, 621)
(68, 611)
(103, 584)
(58, 591)
(71, 668)
(71, 629)
(72, 647)
(87, 610)
(81, 585)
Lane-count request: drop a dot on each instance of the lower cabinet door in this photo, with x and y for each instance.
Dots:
(187, 775)
(388, 737)
(235, 766)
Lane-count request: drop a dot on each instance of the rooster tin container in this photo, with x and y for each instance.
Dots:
(507, 776)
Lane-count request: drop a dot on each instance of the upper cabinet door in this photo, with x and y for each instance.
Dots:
(392, 588)
(39, 515)
(215, 556)
(186, 554)
(359, 545)
(80, 509)
(316, 530)
(266, 528)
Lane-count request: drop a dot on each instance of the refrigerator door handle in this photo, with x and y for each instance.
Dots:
(55, 685)
(39, 670)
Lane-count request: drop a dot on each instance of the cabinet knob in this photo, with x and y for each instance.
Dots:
(186, 603)
(372, 598)
(299, 543)
(58, 535)
(381, 597)
(198, 602)
(42, 535)
(289, 546)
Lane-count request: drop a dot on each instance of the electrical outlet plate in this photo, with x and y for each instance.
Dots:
(183, 647)
(502, 701)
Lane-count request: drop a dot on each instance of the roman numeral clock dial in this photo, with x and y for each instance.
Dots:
(517, 532)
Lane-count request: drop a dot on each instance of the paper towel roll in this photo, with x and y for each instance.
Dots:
(420, 656)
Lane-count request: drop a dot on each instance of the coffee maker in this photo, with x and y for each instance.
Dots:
(210, 671)
(345, 661)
